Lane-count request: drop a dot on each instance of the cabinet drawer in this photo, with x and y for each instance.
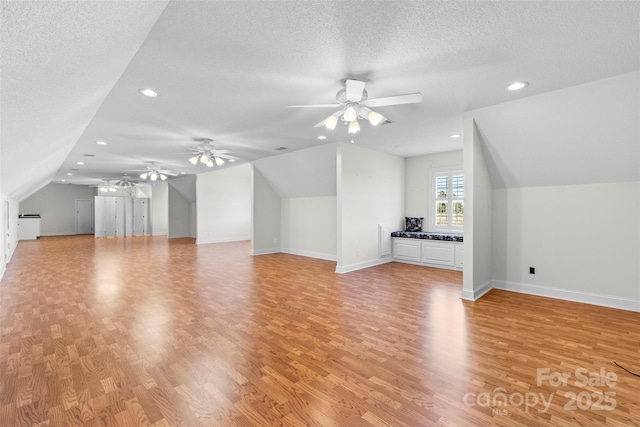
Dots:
(438, 253)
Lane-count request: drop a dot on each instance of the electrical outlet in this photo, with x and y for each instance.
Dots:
(532, 270)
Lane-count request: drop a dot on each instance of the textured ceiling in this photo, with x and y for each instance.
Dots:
(227, 71)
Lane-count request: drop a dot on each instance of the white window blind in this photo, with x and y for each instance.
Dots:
(447, 200)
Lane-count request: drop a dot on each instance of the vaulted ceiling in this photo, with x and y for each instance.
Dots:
(227, 70)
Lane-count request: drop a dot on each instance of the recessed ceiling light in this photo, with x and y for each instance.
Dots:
(182, 173)
(101, 142)
(148, 92)
(63, 180)
(79, 163)
(517, 85)
(232, 160)
(322, 137)
(455, 135)
(69, 173)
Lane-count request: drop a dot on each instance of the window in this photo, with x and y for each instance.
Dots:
(447, 200)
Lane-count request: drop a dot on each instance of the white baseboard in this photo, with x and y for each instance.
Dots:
(265, 251)
(227, 240)
(59, 233)
(160, 233)
(423, 264)
(360, 265)
(11, 252)
(474, 295)
(564, 294)
(310, 254)
(179, 236)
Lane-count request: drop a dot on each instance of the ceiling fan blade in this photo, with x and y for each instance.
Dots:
(314, 105)
(324, 121)
(410, 98)
(354, 90)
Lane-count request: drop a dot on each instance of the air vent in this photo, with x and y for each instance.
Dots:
(89, 155)
(281, 148)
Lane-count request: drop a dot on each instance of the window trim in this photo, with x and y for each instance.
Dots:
(433, 174)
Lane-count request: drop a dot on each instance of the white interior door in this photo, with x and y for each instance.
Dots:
(140, 217)
(84, 216)
(109, 216)
(120, 216)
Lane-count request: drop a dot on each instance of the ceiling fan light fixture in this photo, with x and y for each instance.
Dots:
(194, 160)
(219, 161)
(350, 113)
(209, 163)
(354, 127)
(375, 118)
(331, 122)
(153, 176)
(144, 175)
(163, 177)
(204, 158)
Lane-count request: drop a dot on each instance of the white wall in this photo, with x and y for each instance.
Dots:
(370, 192)
(581, 239)
(309, 227)
(478, 217)
(193, 224)
(416, 200)
(56, 204)
(179, 214)
(160, 208)
(224, 205)
(9, 238)
(265, 216)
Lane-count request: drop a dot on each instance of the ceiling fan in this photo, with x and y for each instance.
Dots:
(353, 101)
(106, 187)
(125, 182)
(153, 173)
(112, 185)
(207, 154)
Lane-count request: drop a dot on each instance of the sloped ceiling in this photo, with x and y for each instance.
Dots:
(579, 135)
(60, 60)
(227, 70)
(186, 186)
(303, 173)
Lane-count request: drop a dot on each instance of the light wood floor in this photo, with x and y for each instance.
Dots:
(150, 331)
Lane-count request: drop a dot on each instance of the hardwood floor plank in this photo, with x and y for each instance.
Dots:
(163, 332)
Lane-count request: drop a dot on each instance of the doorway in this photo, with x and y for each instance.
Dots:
(84, 216)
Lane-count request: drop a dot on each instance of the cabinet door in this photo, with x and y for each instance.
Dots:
(441, 253)
(406, 249)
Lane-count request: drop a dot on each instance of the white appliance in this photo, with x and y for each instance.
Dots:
(28, 226)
